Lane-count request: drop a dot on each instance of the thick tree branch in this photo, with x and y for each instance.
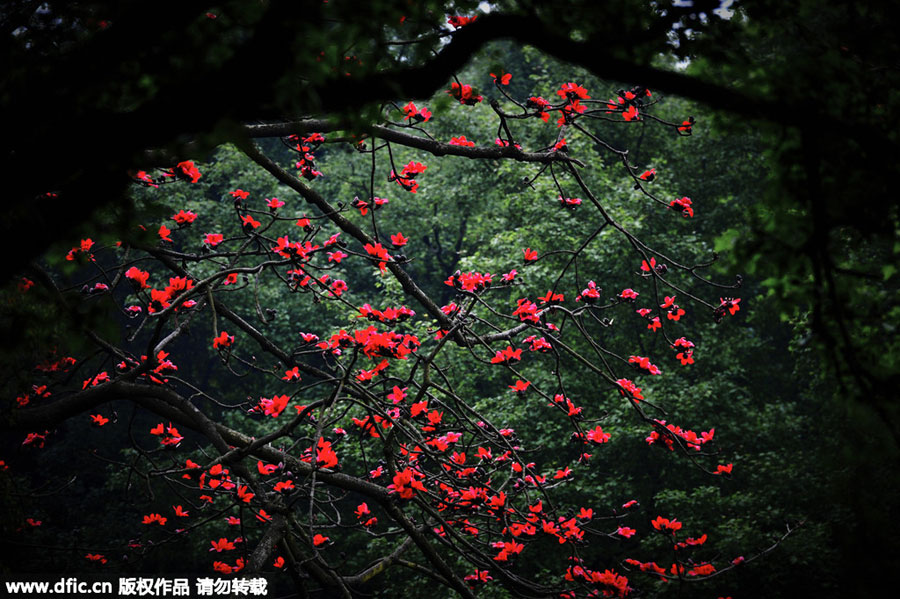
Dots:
(437, 148)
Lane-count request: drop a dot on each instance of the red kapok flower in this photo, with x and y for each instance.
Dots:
(399, 240)
(248, 222)
(138, 277)
(223, 340)
(184, 217)
(458, 21)
(503, 80)
(421, 115)
(464, 93)
(461, 141)
(665, 525)
(221, 545)
(188, 170)
(275, 406)
(683, 205)
(520, 386)
(573, 91)
(686, 127)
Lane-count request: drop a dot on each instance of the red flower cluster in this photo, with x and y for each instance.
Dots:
(170, 435)
(95, 557)
(628, 103)
(221, 545)
(370, 425)
(158, 518)
(461, 141)
(305, 146)
(527, 310)
(573, 94)
(407, 483)
(248, 223)
(84, 247)
(686, 355)
(363, 206)
(729, 305)
(684, 206)
(540, 105)
(294, 250)
(590, 294)
(97, 379)
(224, 568)
(223, 340)
(503, 143)
(647, 567)
(479, 577)
(507, 355)
(275, 406)
(665, 525)
(669, 430)
(610, 583)
(570, 203)
(470, 281)
(406, 178)
(138, 277)
(645, 364)
(368, 375)
(420, 115)
(187, 170)
(184, 217)
(378, 251)
(373, 344)
(464, 93)
(537, 344)
(503, 79)
(520, 386)
(596, 435)
(388, 315)
(458, 21)
(325, 455)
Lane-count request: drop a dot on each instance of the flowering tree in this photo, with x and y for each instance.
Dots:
(362, 427)
(358, 423)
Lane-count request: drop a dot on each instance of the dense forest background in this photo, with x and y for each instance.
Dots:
(791, 190)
